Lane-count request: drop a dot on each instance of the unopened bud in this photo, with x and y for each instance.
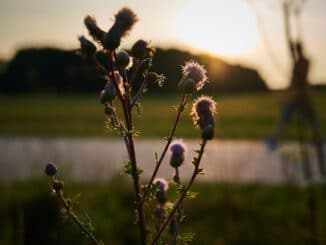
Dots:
(187, 86)
(50, 169)
(123, 59)
(108, 93)
(142, 49)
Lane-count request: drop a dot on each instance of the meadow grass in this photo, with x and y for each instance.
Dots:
(220, 214)
(240, 116)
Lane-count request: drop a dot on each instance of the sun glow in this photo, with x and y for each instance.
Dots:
(226, 28)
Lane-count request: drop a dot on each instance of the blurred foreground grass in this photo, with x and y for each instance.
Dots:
(220, 214)
(242, 116)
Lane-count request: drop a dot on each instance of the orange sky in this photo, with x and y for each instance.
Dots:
(224, 28)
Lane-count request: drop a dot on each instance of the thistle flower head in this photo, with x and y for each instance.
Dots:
(202, 106)
(203, 112)
(125, 19)
(178, 152)
(162, 184)
(178, 147)
(195, 71)
(162, 188)
(96, 32)
(87, 48)
(142, 49)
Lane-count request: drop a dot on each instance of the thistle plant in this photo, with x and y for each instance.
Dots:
(121, 71)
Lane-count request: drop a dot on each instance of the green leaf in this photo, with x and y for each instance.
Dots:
(200, 171)
(127, 168)
(140, 171)
(195, 161)
(186, 238)
(181, 189)
(192, 195)
(75, 200)
(88, 224)
(138, 109)
(136, 217)
(136, 133)
(166, 138)
(156, 157)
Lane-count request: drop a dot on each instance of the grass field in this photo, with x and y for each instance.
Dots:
(240, 116)
(220, 214)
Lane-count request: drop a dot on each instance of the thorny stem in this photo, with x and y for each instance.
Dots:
(116, 85)
(75, 218)
(180, 209)
(117, 124)
(135, 176)
(123, 74)
(184, 193)
(169, 140)
(138, 94)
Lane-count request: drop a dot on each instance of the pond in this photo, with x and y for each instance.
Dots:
(93, 159)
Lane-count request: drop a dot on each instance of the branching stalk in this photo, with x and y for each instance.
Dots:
(184, 193)
(169, 140)
(75, 218)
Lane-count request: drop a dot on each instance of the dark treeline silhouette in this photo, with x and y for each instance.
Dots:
(55, 70)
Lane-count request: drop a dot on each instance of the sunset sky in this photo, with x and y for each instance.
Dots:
(227, 29)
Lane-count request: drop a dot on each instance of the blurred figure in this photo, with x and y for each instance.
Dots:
(299, 99)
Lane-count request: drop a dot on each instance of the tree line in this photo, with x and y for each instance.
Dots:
(60, 71)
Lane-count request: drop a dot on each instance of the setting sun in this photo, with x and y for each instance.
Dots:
(228, 31)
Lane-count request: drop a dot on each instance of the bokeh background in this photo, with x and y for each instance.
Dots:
(49, 111)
